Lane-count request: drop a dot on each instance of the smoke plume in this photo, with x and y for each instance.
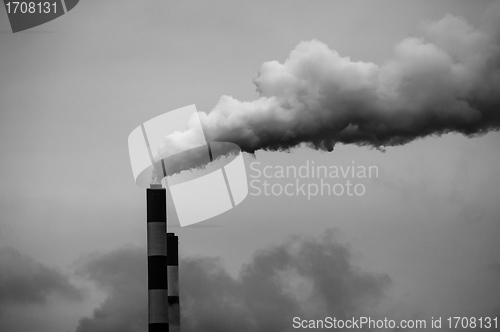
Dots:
(444, 79)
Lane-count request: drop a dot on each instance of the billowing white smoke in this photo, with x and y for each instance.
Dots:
(447, 79)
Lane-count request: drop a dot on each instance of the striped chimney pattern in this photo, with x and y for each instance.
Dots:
(157, 259)
(173, 282)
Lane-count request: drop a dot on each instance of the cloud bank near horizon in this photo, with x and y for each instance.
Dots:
(27, 285)
(308, 277)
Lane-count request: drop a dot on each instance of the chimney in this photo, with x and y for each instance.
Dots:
(173, 282)
(157, 259)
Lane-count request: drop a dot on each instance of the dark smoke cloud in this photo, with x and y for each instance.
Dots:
(444, 79)
(311, 278)
(24, 281)
(123, 275)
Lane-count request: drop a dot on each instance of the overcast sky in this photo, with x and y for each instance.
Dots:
(421, 242)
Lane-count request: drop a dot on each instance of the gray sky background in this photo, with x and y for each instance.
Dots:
(422, 242)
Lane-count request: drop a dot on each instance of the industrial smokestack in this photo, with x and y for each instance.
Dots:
(157, 259)
(173, 282)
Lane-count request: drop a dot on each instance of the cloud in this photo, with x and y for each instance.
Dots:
(123, 275)
(444, 79)
(309, 278)
(25, 281)
(30, 292)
